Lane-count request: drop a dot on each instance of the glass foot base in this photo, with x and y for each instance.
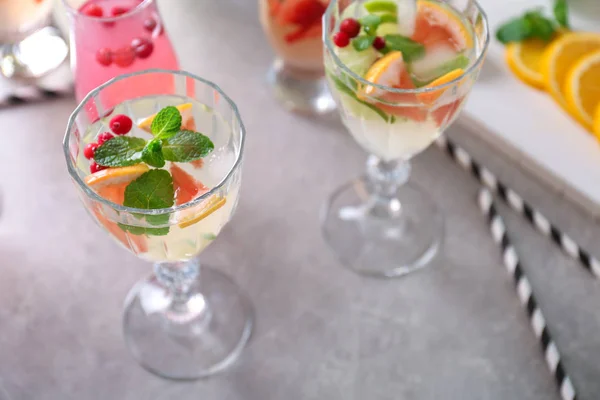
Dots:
(382, 246)
(35, 56)
(192, 339)
(304, 93)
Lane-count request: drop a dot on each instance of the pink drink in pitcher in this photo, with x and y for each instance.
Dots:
(115, 37)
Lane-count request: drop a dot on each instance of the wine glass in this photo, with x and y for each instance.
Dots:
(184, 321)
(293, 27)
(115, 37)
(381, 224)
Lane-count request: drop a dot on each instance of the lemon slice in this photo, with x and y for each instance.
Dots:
(597, 123)
(186, 116)
(582, 88)
(210, 206)
(115, 176)
(559, 58)
(386, 71)
(524, 60)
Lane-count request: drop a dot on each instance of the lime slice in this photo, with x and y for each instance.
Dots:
(387, 29)
(375, 6)
(358, 62)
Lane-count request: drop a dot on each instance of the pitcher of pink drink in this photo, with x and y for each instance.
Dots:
(115, 37)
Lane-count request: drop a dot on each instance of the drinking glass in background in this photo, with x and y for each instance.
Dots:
(30, 48)
(115, 37)
(294, 29)
(185, 321)
(396, 95)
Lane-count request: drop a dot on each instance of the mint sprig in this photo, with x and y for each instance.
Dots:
(370, 23)
(152, 190)
(170, 143)
(120, 151)
(410, 49)
(534, 24)
(166, 123)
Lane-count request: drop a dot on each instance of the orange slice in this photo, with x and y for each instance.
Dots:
(208, 207)
(438, 24)
(524, 60)
(386, 71)
(110, 184)
(561, 56)
(186, 187)
(582, 88)
(188, 121)
(597, 123)
(430, 98)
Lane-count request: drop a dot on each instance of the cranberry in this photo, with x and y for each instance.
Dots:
(89, 150)
(379, 43)
(143, 47)
(92, 10)
(104, 137)
(121, 124)
(104, 56)
(124, 56)
(116, 11)
(341, 39)
(350, 26)
(150, 24)
(94, 167)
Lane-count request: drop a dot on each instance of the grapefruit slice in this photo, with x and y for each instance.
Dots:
(110, 184)
(186, 187)
(437, 24)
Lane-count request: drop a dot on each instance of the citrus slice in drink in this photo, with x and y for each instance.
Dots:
(186, 187)
(206, 208)
(187, 117)
(561, 56)
(110, 184)
(386, 72)
(582, 88)
(524, 60)
(430, 97)
(439, 24)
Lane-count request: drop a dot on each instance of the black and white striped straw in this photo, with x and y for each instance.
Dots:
(526, 296)
(516, 202)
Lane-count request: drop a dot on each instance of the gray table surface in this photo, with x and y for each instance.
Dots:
(453, 331)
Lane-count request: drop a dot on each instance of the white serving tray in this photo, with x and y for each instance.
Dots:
(526, 123)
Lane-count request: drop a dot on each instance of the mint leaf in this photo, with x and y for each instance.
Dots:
(139, 230)
(209, 236)
(159, 219)
(152, 190)
(410, 49)
(186, 146)
(166, 123)
(370, 23)
(541, 27)
(152, 154)
(561, 13)
(363, 42)
(120, 151)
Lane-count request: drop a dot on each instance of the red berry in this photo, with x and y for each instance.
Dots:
(104, 56)
(121, 124)
(104, 137)
(96, 167)
(341, 39)
(89, 150)
(379, 43)
(143, 47)
(150, 24)
(92, 10)
(116, 11)
(124, 56)
(351, 27)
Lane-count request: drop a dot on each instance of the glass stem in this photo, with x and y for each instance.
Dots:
(180, 278)
(385, 178)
